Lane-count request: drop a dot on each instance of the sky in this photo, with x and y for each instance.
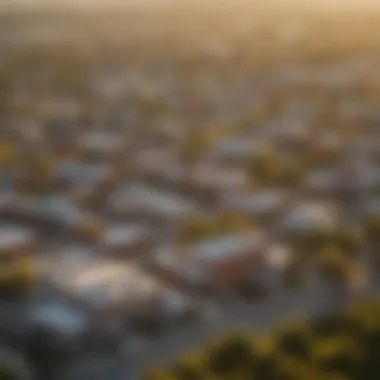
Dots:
(343, 4)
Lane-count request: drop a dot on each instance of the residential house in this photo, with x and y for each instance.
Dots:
(264, 205)
(235, 150)
(310, 216)
(16, 240)
(321, 183)
(59, 214)
(126, 240)
(114, 293)
(211, 265)
(210, 182)
(150, 204)
(100, 145)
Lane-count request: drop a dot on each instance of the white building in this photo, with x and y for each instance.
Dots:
(212, 264)
(111, 290)
(261, 204)
(141, 200)
(126, 239)
(310, 216)
(16, 239)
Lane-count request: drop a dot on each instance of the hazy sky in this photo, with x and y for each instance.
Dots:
(213, 3)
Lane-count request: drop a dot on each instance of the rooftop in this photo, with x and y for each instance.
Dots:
(312, 215)
(103, 283)
(14, 237)
(122, 234)
(138, 197)
(258, 203)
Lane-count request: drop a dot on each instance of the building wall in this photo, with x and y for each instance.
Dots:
(234, 269)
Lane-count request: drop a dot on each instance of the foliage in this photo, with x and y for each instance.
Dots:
(335, 266)
(17, 275)
(337, 347)
(372, 229)
(203, 227)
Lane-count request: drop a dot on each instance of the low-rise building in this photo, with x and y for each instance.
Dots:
(58, 213)
(321, 183)
(262, 205)
(16, 240)
(310, 217)
(114, 293)
(164, 207)
(236, 150)
(126, 240)
(213, 264)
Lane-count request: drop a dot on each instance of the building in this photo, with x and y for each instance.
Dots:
(79, 175)
(114, 293)
(101, 145)
(263, 205)
(59, 214)
(236, 150)
(322, 183)
(126, 240)
(16, 240)
(212, 265)
(150, 204)
(310, 217)
(210, 182)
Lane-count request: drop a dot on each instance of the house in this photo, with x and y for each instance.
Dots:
(77, 174)
(151, 204)
(321, 183)
(213, 264)
(101, 145)
(310, 216)
(126, 240)
(211, 181)
(278, 258)
(157, 167)
(58, 213)
(64, 324)
(261, 205)
(235, 150)
(114, 293)
(16, 240)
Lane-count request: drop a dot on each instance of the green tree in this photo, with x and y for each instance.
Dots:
(338, 354)
(349, 239)
(372, 229)
(190, 366)
(233, 354)
(336, 267)
(294, 339)
(196, 228)
(158, 374)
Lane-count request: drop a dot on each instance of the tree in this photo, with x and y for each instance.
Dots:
(349, 239)
(158, 374)
(293, 339)
(8, 154)
(335, 266)
(230, 222)
(263, 166)
(291, 368)
(90, 229)
(17, 276)
(190, 366)
(372, 229)
(233, 354)
(338, 354)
